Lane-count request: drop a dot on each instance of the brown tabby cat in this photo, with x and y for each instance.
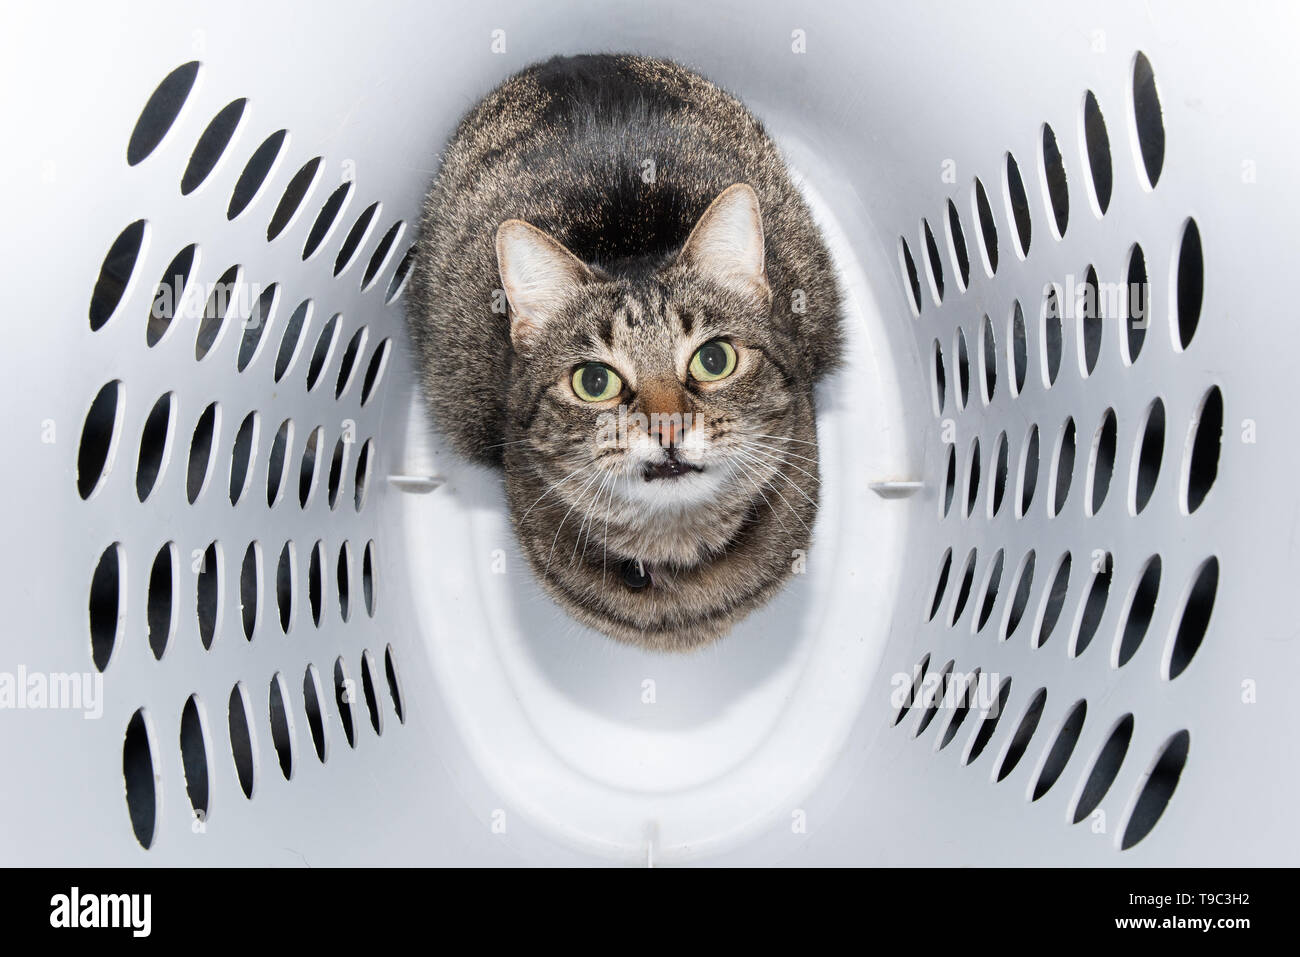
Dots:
(620, 297)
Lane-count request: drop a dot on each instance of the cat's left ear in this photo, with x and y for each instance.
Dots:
(538, 275)
(727, 242)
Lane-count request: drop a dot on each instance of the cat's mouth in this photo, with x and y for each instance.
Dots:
(670, 468)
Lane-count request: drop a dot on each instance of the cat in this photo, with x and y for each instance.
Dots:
(619, 297)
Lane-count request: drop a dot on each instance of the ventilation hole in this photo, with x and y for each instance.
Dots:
(194, 759)
(988, 232)
(336, 471)
(909, 699)
(1094, 606)
(361, 482)
(160, 612)
(115, 274)
(311, 697)
(281, 727)
(241, 456)
(255, 325)
(963, 593)
(1064, 468)
(1024, 733)
(250, 585)
(293, 197)
(356, 236)
(154, 443)
(989, 360)
(963, 371)
(242, 748)
(1020, 601)
(911, 280)
(1148, 119)
(1102, 465)
(256, 172)
(965, 694)
(398, 282)
(347, 365)
(1054, 600)
(343, 575)
(1146, 465)
(285, 572)
(939, 382)
(368, 578)
(1052, 346)
(308, 472)
(212, 143)
(1191, 282)
(1195, 618)
(99, 438)
(107, 591)
(137, 770)
(323, 352)
(950, 480)
(1141, 608)
(936, 700)
(160, 112)
(1104, 769)
(205, 437)
(999, 487)
(991, 592)
(1137, 304)
(344, 695)
(935, 272)
(992, 715)
(1018, 349)
(314, 591)
(973, 477)
(1029, 472)
(1054, 185)
(168, 297)
(224, 292)
(291, 344)
(379, 258)
(325, 220)
(1096, 143)
(1157, 789)
(1018, 206)
(208, 594)
(1062, 748)
(1090, 322)
(368, 689)
(957, 245)
(944, 568)
(395, 688)
(375, 370)
(277, 469)
(1203, 461)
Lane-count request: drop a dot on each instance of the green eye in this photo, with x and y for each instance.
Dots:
(713, 361)
(596, 382)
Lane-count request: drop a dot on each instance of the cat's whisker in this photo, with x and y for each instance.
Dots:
(779, 458)
(783, 438)
(576, 499)
(551, 488)
(779, 451)
(745, 477)
(588, 519)
(742, 456)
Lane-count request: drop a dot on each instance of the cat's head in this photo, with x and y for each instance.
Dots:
(665, 392)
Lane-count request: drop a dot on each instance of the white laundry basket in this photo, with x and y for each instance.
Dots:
(315, 639)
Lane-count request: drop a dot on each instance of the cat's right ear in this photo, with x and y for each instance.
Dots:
(538, 274)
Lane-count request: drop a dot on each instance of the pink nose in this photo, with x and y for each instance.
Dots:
(668, 431)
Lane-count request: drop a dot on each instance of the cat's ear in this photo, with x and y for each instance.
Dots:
(727, 243)
(538, 275)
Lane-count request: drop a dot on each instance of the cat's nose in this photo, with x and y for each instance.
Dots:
(668, 431)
